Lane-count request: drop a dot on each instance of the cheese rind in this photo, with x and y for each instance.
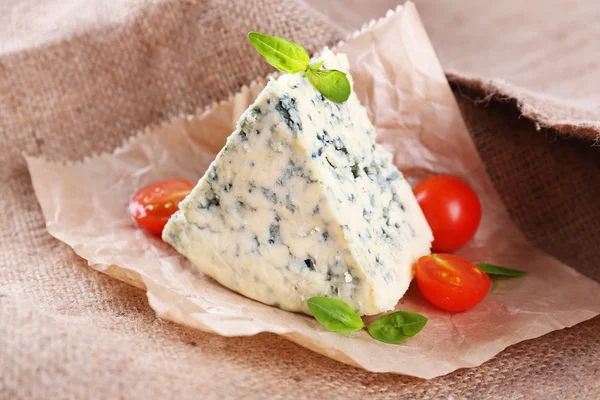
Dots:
(302, 202)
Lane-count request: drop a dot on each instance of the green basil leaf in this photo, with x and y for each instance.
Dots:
(397, 326)
(492, 269)
(283, 54)
(335, 315)
(332, 84)
(313, 67)
(316, 66)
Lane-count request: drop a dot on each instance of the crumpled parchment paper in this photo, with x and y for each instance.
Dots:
(398, 78)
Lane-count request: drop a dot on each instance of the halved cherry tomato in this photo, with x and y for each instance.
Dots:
(452, 210)
(153, 205)
(451, 282)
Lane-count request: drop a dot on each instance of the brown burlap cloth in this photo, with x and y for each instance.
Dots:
(67, 331)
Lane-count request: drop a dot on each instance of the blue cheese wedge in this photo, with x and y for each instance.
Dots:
(302, 202)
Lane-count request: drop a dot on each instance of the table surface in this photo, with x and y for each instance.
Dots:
(549, 46)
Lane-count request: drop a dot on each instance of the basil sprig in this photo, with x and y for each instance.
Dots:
(335, 315)
(332, 84)
(492, 269)
(338, 316)
(397, 326)
(283, 54)
(290, 57)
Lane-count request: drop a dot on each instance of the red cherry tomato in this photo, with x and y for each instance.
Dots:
(452, 210)
(450, 282)
(153, 205)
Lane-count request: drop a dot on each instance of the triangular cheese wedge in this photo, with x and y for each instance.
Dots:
(302, 202)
